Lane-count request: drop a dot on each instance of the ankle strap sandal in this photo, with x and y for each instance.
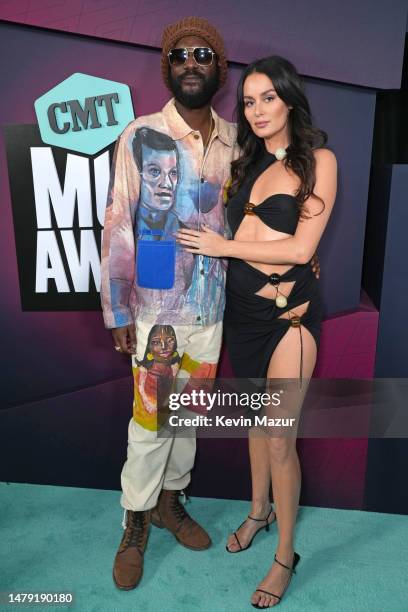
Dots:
(296, 559)
(258, 520)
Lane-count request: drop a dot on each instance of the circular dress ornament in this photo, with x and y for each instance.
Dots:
(281, 301)
(274, 279)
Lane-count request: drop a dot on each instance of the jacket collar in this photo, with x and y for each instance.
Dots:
(179, 128)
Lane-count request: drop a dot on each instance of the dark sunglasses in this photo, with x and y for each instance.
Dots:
(203, 56)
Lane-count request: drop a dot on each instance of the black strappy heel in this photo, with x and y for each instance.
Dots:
(296, 559)
(266, 527)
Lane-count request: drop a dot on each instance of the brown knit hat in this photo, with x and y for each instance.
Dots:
(193, 26)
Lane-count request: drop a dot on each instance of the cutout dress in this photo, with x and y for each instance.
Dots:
(252, 325)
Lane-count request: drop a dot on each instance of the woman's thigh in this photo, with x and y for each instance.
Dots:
(283, 372)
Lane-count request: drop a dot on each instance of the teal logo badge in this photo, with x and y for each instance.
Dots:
(84, 113)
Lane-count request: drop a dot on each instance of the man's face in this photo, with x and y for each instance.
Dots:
(192, 84)
(159, 178)
(162, 344)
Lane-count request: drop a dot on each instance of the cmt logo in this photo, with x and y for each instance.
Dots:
(84, 113)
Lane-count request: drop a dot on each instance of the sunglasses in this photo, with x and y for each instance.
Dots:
(203, 56)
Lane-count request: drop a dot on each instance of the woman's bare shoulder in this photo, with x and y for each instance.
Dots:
(325, 157)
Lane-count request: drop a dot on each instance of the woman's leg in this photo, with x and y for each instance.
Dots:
(284, 461)
(261, 481)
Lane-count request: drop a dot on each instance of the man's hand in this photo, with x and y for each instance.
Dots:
(314, 262)
(125, 339)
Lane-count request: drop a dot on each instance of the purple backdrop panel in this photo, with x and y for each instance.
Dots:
(336, 40)
(45, 353)
(348, 344)
(333, 472)
(76, 439)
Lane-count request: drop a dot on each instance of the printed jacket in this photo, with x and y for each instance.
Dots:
(161, 179)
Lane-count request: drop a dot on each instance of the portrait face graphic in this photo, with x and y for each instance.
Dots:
(160, 177)
(162, 344)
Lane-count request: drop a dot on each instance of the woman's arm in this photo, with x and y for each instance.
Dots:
(294, 250)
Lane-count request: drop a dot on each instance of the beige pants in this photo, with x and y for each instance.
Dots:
(164, 353)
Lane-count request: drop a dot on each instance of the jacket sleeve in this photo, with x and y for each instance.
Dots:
(118, 242)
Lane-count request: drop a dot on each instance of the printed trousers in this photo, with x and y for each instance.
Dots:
(166, 355)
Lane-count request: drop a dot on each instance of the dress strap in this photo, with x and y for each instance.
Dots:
(295, 321)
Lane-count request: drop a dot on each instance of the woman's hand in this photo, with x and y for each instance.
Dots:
(206, 242)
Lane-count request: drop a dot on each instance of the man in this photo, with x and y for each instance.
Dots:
(156, 158)
(172, 332)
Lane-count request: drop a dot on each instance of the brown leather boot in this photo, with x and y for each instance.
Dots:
(128, 566)
(170, 513)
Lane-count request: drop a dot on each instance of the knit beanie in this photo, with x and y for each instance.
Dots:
(193, 26)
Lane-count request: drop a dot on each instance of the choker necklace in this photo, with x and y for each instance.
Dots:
(280, 153)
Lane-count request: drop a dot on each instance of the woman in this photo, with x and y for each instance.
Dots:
(281, 196)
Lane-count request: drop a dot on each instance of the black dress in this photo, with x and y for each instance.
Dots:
(252, 325)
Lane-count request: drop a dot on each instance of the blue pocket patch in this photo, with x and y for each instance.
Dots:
(155, 261)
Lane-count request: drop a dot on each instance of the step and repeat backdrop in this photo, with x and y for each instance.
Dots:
(74, 75)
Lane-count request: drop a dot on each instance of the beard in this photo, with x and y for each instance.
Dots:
(199, 98)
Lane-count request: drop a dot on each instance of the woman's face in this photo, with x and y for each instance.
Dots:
(162, 344)
(266, 113)
(159, 178)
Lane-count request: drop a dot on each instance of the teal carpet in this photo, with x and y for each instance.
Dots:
(64, 539)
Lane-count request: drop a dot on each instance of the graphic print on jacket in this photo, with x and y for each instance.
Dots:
(162, 179)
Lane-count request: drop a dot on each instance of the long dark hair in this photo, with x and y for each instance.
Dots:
(303, 136)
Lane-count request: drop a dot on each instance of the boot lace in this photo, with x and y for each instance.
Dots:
(134, 534)
(178, 509)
